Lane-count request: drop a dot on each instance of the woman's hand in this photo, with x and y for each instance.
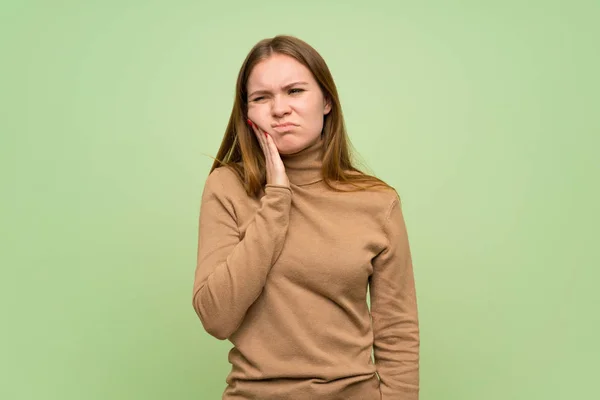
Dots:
(275, 168)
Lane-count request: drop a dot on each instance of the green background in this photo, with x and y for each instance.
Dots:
(484, 116)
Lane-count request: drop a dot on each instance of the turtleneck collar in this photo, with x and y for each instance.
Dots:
(304, 167)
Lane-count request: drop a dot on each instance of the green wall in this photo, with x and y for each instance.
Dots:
(484, 116)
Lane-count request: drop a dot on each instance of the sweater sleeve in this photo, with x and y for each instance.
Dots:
(394, 313)
(231, 271)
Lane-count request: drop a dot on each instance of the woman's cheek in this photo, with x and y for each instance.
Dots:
(255, 114)
(252, 113)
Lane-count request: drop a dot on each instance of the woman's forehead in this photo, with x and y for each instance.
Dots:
(279, 71)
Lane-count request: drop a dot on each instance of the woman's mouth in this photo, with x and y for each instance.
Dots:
(288, 126)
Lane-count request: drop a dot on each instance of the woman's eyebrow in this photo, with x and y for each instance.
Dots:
(289, 85)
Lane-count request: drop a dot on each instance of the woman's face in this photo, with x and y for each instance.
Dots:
(283, 91)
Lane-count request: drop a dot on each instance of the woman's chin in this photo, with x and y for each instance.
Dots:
(286, 152)
(286, 147)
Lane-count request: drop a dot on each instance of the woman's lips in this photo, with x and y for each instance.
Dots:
(284, 127)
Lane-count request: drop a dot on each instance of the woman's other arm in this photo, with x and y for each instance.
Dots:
(394, 313)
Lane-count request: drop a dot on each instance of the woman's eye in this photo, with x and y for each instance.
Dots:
(292, 91)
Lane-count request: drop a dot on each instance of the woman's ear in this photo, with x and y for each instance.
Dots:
(327, 108)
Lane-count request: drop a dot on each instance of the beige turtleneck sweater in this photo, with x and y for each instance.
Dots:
(285, 277)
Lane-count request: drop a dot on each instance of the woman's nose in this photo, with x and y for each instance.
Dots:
(280, 106)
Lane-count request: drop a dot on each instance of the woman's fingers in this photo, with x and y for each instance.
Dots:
(272, 147)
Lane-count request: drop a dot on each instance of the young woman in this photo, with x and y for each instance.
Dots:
(291, 234)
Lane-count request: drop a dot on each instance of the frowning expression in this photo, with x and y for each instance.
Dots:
(285, 100)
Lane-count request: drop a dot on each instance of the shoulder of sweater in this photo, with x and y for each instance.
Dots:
(223, 180)
(390, 199)
(379, 201)
(387, 198)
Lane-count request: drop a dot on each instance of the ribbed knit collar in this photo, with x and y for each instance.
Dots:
(304, 167)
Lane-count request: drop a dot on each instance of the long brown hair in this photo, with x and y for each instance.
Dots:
(240, 149)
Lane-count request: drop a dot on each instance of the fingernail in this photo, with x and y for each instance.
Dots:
(249, 122)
